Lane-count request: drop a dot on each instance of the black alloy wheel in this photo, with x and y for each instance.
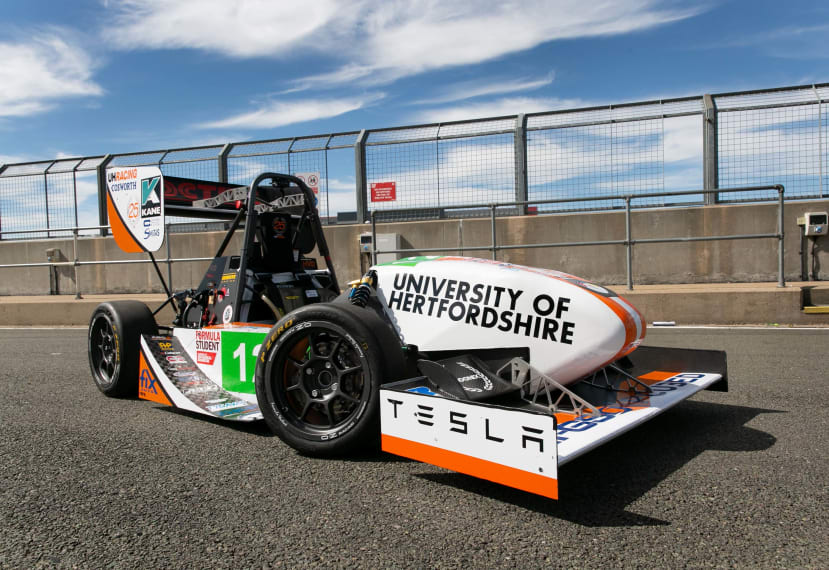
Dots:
(318, 381)
(113, 340)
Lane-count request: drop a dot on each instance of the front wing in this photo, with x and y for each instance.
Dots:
(515, 447)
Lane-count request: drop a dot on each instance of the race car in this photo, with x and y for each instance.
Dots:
(491, 369)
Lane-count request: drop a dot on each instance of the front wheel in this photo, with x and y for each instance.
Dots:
(318, 381)
(115, 331)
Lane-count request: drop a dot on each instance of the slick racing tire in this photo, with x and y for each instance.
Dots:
(318, 379)
(115, 331)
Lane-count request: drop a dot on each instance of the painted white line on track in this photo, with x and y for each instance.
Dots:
(55, 328)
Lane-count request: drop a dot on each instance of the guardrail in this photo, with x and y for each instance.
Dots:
(76, 263)
(628, 242)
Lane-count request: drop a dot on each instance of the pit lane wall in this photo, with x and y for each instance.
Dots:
(697, 262)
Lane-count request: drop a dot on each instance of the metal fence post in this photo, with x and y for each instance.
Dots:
(75, 255)
(521, 194)
(373, 237)
(781, 280)
(360, 176)
(628, 244)
(75, 190)
(710, 159)
(222, 158)
(169, 262)
(101, 171)
(492, 223)
(819, 139)
(46, 198)
(2, 168)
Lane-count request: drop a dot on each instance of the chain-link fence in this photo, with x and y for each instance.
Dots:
(728, 140)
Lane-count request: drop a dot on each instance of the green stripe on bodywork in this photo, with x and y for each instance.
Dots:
(411, 261)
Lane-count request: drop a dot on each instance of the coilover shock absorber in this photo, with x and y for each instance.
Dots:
(361, 292)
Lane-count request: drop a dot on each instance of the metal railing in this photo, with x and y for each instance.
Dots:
(493, 247)
(76, 263)
(716, 142)
(629, 242)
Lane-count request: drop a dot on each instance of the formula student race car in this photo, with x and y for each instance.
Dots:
(491, 369)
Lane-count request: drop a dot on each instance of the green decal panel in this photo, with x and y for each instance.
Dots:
(239, 352)
(412, 261)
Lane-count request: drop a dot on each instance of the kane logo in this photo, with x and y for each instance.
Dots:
(150, 202)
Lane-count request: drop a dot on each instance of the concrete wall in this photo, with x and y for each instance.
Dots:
(699, 262)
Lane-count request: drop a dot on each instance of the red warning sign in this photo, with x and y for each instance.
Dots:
(383, 191)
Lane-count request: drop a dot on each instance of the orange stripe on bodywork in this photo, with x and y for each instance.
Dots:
(145, 376)
(563, 417)
(481, 468)
(123, 237)
(655, 376)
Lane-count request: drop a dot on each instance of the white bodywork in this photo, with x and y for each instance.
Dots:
(570, 326)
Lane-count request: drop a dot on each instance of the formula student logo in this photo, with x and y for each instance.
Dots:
(150, 201)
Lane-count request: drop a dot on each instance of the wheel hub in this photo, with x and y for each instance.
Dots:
(321, 379)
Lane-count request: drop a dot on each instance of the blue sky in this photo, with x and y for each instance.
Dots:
(91, 77)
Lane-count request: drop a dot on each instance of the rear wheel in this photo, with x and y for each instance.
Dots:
(318, 381)
(115, 330)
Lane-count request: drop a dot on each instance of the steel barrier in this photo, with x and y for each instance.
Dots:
(628, 242)
(76, 263)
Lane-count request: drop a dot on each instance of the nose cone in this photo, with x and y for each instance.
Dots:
(635, 327)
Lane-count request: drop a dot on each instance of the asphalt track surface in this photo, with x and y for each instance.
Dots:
(736, 479)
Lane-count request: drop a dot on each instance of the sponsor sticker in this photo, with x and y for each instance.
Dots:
(483, 305)
(227, 406)
(207, 358)
(511, 447)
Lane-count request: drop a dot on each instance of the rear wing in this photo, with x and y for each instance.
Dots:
(138, 198)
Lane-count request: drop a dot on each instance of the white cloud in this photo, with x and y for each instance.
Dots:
(37, 72)
(790, 42)
(378, 40)
(418, 36)
(341, 198)
(471, 89)
(280, 113)
(246, 28)
(683, 138)
(495, 108)
(11, 159)
(338, 185)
